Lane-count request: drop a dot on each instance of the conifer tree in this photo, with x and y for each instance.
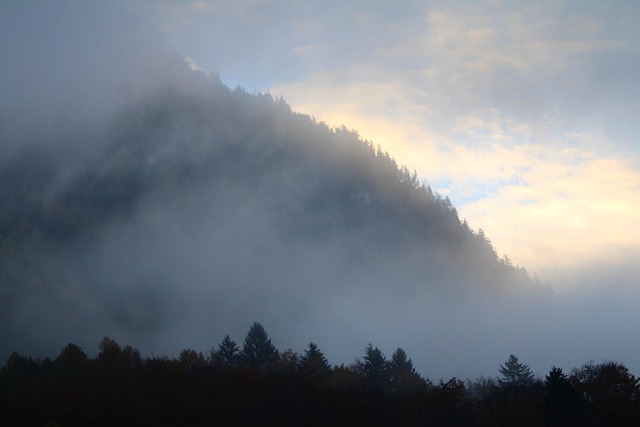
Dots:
(401, 363)
(257, 350)
(402, 374)
(228, 352)
(515, 374)
(313, 362)
(375, 365)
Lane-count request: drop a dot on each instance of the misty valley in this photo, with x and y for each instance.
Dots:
(199, 209)
(150, 209)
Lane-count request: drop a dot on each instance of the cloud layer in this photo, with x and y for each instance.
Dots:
(522, 114)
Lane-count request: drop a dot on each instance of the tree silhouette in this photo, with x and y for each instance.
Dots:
(560, 398)
(114, 360)
(515, 374)
(70, 365)
(257, 349)
(313, 363)
(285, 362)
(191, 359)
(375, 365)
(611, 392)
(400, 362)
(228, 353)
(402, 374)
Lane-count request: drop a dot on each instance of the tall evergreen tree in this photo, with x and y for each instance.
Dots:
(313, 362)
(402, 374)
(257, 349)
(400, 362)
(375, 365)
(515, 374)
(228, 353)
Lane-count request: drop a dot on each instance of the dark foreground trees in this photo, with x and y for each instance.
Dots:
(119, 387)
(609, 392)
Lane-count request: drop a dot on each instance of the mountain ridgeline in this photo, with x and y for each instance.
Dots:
(196, 208)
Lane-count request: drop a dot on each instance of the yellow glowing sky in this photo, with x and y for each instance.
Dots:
(546, 207)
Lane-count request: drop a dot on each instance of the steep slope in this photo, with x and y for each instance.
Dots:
(211, 206)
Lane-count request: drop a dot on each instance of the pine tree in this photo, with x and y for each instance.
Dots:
(401, 363)
(402, 375)
(375, 365)
(228, 353)
(515, 374)
(313, 362)
(257, 350)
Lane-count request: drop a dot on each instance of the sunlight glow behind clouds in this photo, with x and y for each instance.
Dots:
(544, 204)
(524, 114)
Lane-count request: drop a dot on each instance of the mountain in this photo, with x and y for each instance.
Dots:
(197, 209)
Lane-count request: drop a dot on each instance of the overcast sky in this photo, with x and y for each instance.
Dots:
(524, 113)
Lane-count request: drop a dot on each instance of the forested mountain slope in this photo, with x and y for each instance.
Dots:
(196, 208)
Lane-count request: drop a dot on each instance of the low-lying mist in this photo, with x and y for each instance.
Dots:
(177, 211)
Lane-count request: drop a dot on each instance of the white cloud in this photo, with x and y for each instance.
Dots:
(192, 64)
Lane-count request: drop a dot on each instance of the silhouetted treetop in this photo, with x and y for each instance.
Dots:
(375, 365)
(257, 349)
(228, 352)
(313, 362)
(111, 390)
(515, 374)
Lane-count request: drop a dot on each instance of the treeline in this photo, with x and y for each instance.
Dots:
(256, 384)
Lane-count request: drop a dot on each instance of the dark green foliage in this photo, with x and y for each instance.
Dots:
(257, 350)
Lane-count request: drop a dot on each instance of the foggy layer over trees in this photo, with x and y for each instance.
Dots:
(192, 212)
(153, 204)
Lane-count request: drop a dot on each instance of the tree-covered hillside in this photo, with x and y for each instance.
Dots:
(219, 193)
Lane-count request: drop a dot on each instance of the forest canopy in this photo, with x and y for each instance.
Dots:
(119, 386)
